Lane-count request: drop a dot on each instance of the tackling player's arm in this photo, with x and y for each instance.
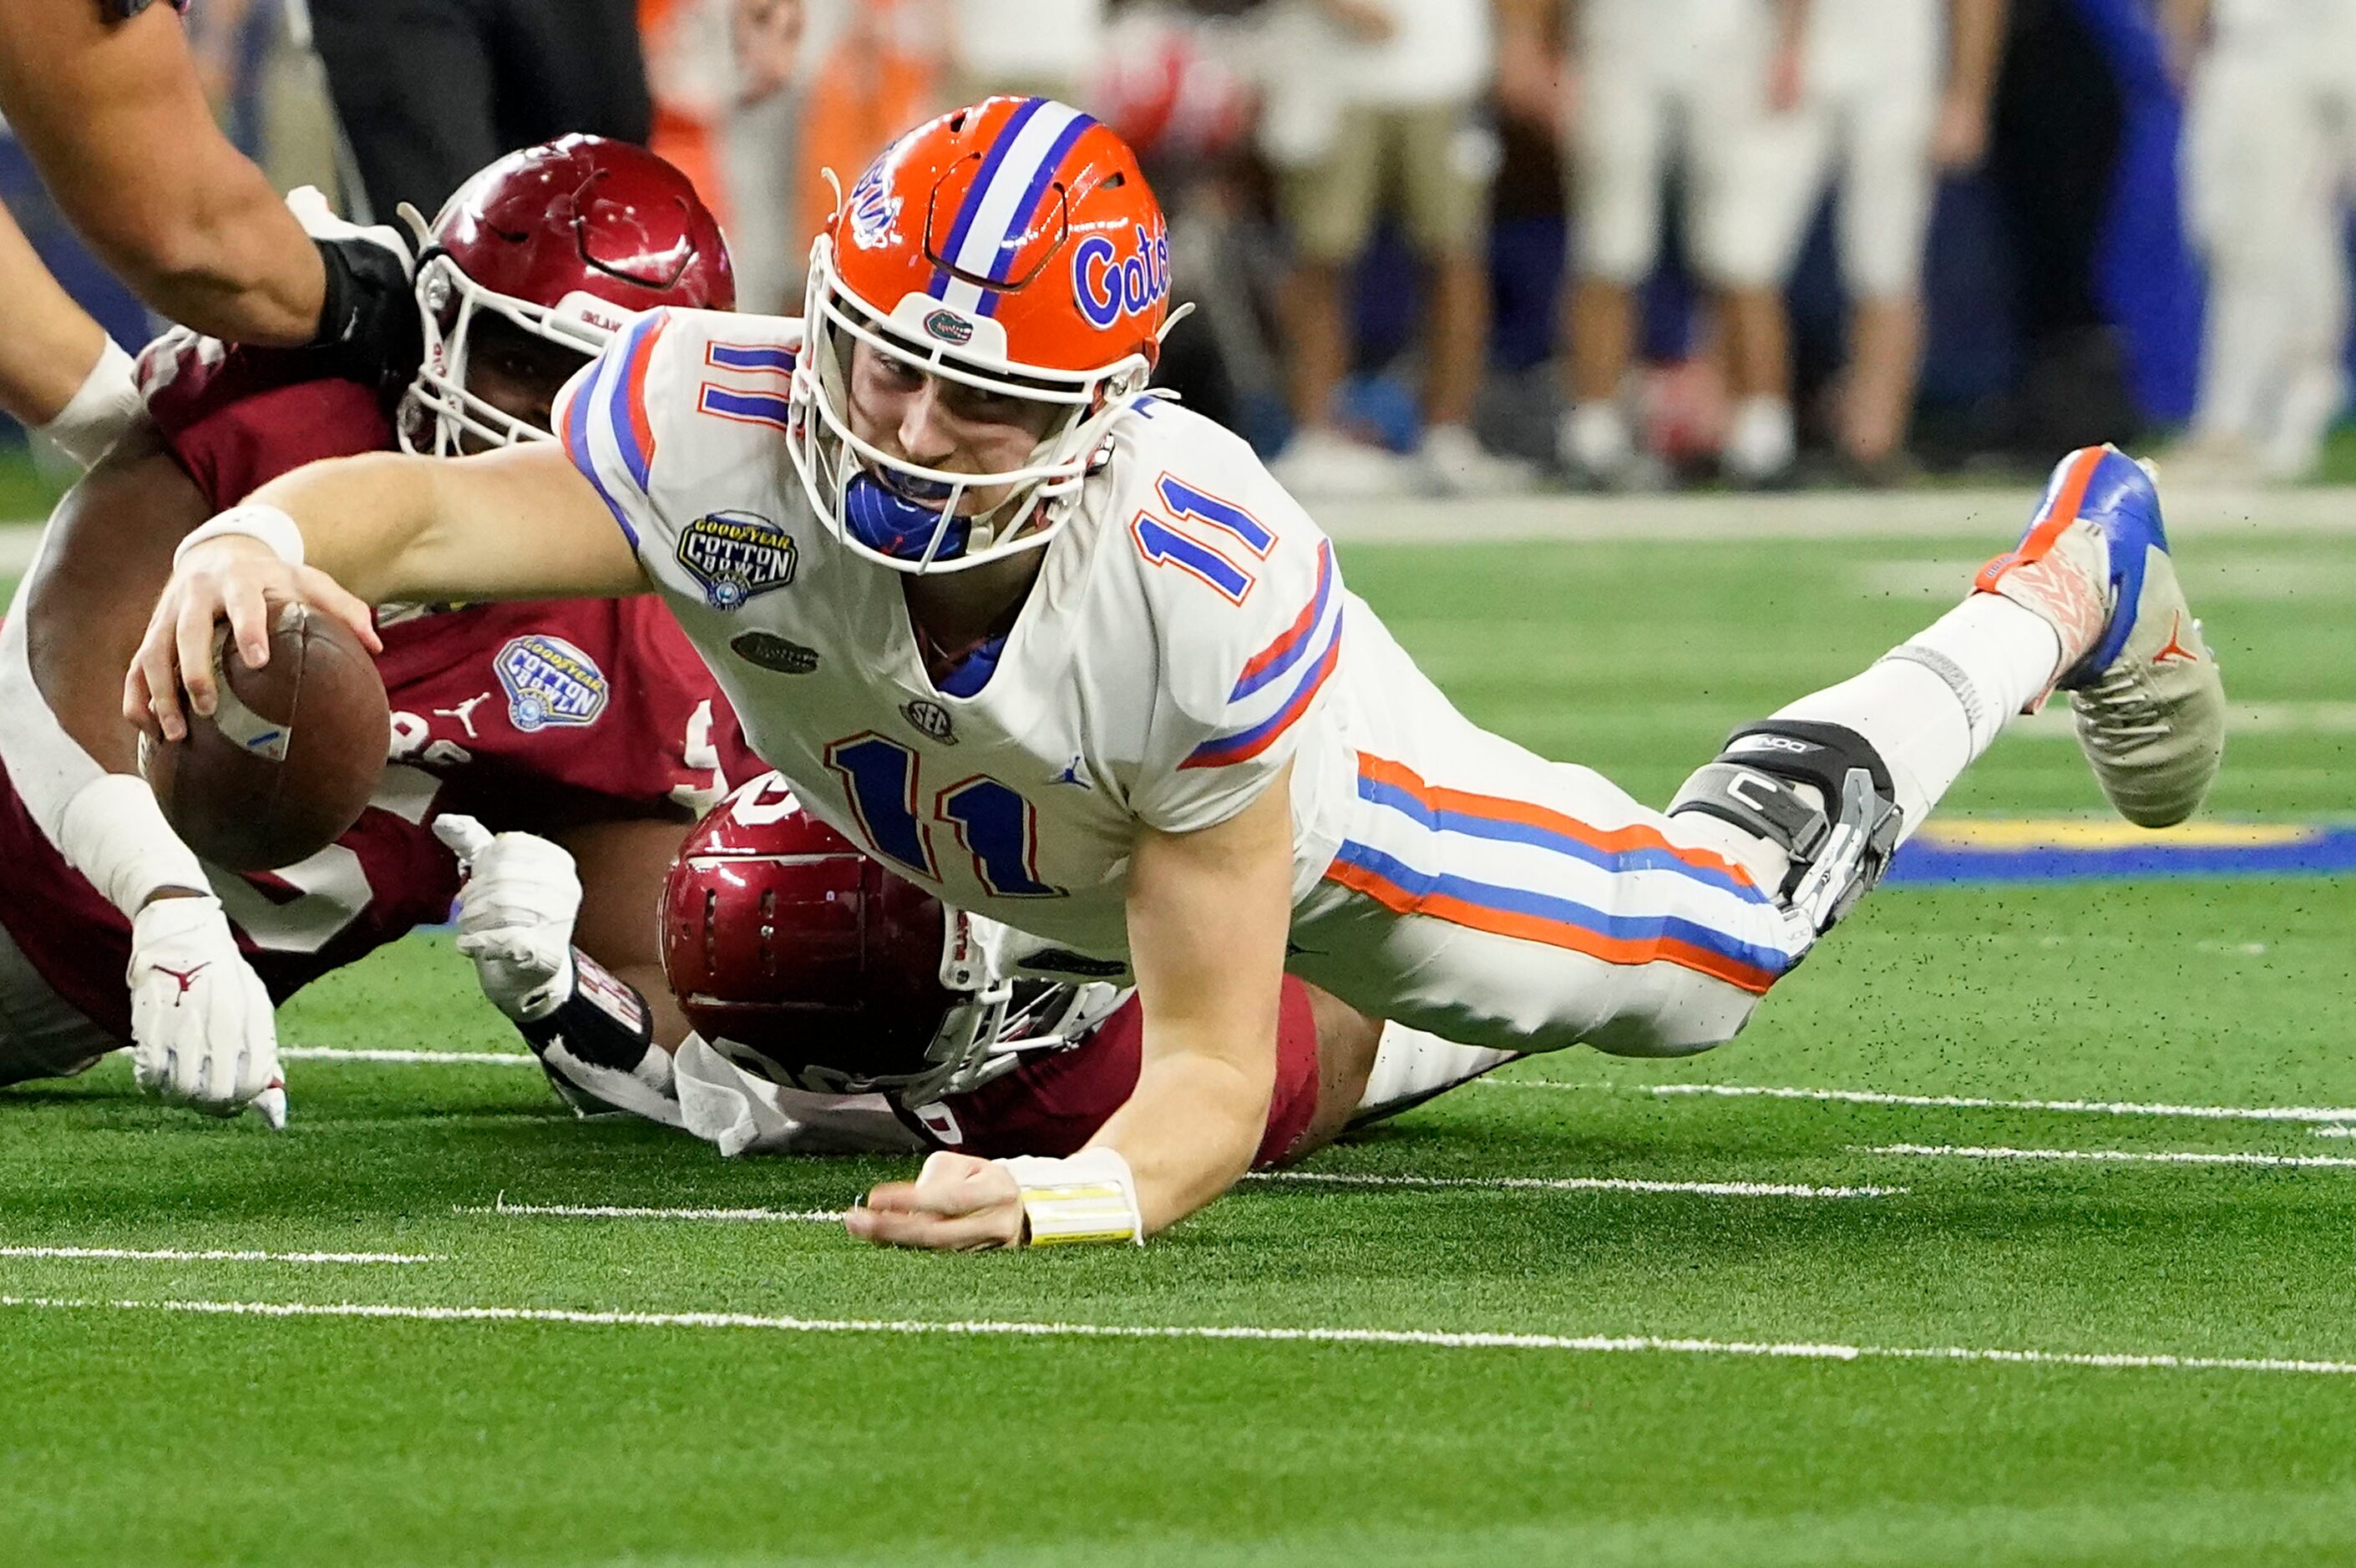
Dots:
(107, 548)
(517, 523)
(113, 114)
(1208, 912)
(200, 1021)
(59, 373)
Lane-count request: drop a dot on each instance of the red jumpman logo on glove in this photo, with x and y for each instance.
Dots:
(187, 977)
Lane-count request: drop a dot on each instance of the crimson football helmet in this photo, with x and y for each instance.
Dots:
(567, 240)
(1011, 247)
(806, 964)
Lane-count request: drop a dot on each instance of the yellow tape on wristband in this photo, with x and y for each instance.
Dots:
(1089, 1197)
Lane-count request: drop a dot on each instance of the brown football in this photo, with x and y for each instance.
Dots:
(291, 754)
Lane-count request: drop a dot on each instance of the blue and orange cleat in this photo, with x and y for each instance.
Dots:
(2149, 703)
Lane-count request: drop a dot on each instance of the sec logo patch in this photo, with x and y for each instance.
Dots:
(931, 719)
(550, 682)
(734, 556)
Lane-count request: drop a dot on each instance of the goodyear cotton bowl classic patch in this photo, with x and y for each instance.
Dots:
(2066, 850)
(550, 682)
(736, 555)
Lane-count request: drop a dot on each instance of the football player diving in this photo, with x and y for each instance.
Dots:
(1065, 655)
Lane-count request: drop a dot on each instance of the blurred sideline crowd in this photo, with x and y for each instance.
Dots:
(1475, 246)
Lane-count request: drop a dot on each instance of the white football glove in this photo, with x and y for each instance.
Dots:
(309, 205)
(515, 915)
(202, 1029)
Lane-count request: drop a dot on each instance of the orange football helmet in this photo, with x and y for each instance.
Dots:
(1012, 246)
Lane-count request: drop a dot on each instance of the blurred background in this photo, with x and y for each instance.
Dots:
(1475, 246)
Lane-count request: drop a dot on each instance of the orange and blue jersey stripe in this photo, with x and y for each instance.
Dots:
(769, 407)
(611, 401)
(1556, 922)
(1541, 917)
(749, 357)
(1300, 643)
(757, 408)
(1273, 661)
(1635, 848)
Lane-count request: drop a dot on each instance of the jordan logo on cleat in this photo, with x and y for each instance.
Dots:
(2176, 652)
(186, 979)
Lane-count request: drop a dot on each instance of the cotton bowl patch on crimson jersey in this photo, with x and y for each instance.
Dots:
(734, 556)
(550, 682)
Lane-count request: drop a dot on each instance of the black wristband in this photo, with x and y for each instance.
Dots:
(369, 329)
(604, 1022)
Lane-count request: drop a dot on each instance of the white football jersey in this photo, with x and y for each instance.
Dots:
(1188, 636)
(1180, 645)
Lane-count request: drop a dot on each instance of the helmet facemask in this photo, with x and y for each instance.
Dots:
(910, 517)
(439, 415)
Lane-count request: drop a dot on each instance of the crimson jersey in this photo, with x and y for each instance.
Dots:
(529, 716)
(1054, 1102)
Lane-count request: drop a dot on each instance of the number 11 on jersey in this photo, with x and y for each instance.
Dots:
(997, 827)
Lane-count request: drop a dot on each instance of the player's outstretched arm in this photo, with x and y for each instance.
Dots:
(352, 532)
(1208, 916)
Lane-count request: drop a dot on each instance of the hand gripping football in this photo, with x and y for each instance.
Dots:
(290, 756)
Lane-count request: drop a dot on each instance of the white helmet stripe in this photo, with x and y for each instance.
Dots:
(1002, 205)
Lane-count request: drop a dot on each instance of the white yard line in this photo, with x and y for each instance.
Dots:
(623, 1211)
(1944, 1102)
(1565, 1184)
(2107, 1156)
(1581, 1184)
(496, 1121)
(409, 1057)
(1428, 1339)
(217, 1254)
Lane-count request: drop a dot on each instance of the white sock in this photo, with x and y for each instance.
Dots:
(1596, 438)
(1411, 1066)
(1759, 438)
(1936, 701)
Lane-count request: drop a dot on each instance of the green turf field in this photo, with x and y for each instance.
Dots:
(1711, 1328)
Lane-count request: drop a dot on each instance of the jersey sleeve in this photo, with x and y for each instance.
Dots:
(1240, 674)
(627, 406)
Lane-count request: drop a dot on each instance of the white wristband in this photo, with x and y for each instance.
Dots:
(254, 520)
(114, 834)
(100, 410)
(1090, 1197)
